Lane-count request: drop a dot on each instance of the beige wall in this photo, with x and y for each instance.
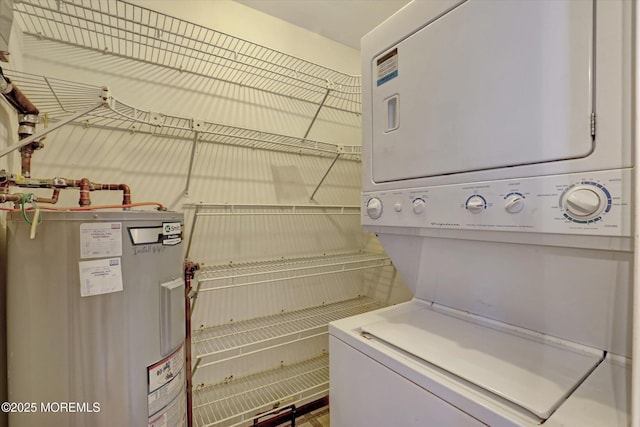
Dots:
(246, 23)
(156, 168)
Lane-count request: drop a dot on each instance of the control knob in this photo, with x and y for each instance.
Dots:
(374, 208)
(475, 204)
(583, 202)
(514, 204)
(418, 206)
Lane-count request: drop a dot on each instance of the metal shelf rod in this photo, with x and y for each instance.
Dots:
(269, 206)
(130, 31)
(266, 385)
(248, 415)
(279, 214)
(60, 98)
(295, 269)
(203, 132)
(327, 310)
(303, 276)
(48, 130)
(260, 350)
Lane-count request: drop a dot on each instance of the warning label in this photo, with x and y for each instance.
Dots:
(100, 276)
(102, 239)
(166, 390)
(387, 67)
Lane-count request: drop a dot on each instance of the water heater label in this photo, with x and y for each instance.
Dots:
(164, 396)
(171, 233)
(100, 239)
(172, 416)
(100, 276)
(166, 390)
(163, 371)
(387, 67)
(170, 228)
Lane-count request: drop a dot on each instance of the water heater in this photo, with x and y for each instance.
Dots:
(95, 318)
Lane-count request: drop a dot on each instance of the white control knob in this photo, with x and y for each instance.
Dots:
(583, 203)
(374, 208)
(397, 207)
(418, 206)
(475, 204)
(514, 204)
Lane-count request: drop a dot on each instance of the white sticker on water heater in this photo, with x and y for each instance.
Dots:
(166, 390)
(100, 276)
(163, 371)
(100, 239)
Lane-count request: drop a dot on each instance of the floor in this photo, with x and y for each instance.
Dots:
(317, 418)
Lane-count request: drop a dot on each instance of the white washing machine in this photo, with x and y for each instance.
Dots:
(497, 174)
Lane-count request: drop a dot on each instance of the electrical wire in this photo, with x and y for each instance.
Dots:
(92, 208)
(89, 208)
(28, 198)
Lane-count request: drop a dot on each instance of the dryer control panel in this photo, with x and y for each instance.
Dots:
(593, 203)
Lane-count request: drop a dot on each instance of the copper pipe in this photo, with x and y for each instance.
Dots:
(53, 200)
(126, 191)
(15, 96)
(85, 188)
(56, 184)
(190, 269)
(126, 194)
(20, 101)
(25, 157)
(11, 197)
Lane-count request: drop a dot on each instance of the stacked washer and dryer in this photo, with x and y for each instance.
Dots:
(498, 175)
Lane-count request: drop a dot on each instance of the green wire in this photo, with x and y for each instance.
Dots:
(28, 198)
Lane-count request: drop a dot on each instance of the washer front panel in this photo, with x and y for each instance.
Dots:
(536, 204)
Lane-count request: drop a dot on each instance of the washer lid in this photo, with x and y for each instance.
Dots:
(534, 375)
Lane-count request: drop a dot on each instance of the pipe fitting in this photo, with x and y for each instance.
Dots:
(16, 197)
(85, 188)
(15, 96)
(28, 119)
(27, 126)
(52, 200)
(126, 194)
(26, 153)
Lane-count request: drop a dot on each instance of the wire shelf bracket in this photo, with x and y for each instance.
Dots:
(235, 402)
(66, 102)
(118, 28)
(256, 273)
(39, 135)
(217, 344)
(204, 209)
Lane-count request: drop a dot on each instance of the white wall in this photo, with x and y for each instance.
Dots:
(156, 167)
(246, 23)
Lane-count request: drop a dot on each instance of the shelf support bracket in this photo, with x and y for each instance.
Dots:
(315, 116)
(194, 146)
(195, 367)
(193, 227)
(51, 128)
(325, 174)
(194, 297)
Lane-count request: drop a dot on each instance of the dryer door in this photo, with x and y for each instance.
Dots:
(490, 84)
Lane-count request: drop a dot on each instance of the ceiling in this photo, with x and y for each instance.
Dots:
(344, 21)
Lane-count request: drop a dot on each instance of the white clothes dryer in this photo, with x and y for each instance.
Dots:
(497, 174)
